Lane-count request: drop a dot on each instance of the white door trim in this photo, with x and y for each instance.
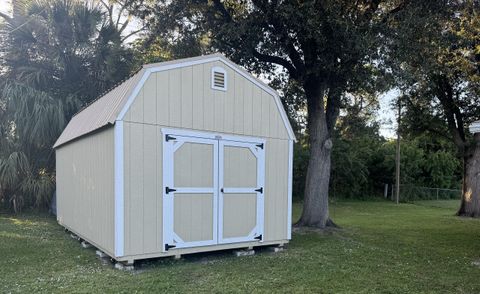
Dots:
(183, 135)
(259, 153)
(212, 135)
(169, 235)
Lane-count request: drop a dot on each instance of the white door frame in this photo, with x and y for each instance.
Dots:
(217, 139)
(258, 149)
(170, 238)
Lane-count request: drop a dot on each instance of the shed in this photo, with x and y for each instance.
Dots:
(186, 156)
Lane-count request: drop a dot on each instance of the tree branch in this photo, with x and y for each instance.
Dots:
(395, 10)
(133, 33)
(277, 60)
(451, 111)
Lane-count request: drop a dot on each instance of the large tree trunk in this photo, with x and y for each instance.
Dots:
(315, 207)
(470, 205)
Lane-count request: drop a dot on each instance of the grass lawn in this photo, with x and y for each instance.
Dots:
(381, 248)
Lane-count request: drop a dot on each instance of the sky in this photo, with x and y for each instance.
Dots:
(386, 113)
(5, 6)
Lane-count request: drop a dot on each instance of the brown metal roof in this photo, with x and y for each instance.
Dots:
(100, 113)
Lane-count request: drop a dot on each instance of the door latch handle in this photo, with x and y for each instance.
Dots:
(260, 190)
(221, 190)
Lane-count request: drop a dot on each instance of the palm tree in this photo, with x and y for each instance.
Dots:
(56, 56)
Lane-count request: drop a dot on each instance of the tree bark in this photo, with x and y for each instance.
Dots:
(315, 207)
(470, 205)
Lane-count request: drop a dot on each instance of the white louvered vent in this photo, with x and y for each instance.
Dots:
(219, 79)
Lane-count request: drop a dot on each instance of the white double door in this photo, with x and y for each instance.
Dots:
(213, 190)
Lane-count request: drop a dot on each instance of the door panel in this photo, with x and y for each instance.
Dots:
(190, 192)
(193, 217)
(239, 214)
(241, 166)
(193, 165)
(213, 191)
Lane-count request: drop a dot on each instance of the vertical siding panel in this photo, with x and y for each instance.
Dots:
(239, 107)
(127, 184)
(218, 105)
(229, 99)
(136, 191)
(150, 100)
(266, 107)
(248, 107)
(174, 97)
(136, 110)
(219, 110)
(273, 118)
(198, 112)
(282, 130)
(162, 98)
(208, 99)
(257, 111)
(269, 190)
(149, 192)
(186, 88)
(278, 190)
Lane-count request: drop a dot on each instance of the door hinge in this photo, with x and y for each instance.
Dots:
(167, 246)
(259, 237)
(260, 190)
(168, 190)
(169, 137)
(260, 145)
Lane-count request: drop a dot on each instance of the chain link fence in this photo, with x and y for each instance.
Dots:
(412, 193)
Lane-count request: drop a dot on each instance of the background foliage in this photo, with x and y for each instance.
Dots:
(58, 56)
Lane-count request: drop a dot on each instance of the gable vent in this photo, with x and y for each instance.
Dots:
(219, 79)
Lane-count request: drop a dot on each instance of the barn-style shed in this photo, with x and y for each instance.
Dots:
(185, 156)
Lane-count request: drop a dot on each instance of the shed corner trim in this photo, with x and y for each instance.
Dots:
(119, 210)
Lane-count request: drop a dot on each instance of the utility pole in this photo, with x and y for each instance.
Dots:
(397, 157)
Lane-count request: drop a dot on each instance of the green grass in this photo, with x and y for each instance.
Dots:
(381, 248)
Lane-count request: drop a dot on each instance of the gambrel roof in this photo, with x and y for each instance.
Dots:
(113, 105)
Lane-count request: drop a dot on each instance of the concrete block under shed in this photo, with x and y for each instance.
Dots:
(239, 253)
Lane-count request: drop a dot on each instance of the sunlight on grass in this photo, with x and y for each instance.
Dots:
(12, 235)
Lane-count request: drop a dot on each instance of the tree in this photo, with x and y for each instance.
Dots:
(326, 47)
(435, 52)
(57, 56)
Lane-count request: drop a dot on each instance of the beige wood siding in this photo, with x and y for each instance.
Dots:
(85, 188)
(276, 189)
(143, 188)
(183, 98)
